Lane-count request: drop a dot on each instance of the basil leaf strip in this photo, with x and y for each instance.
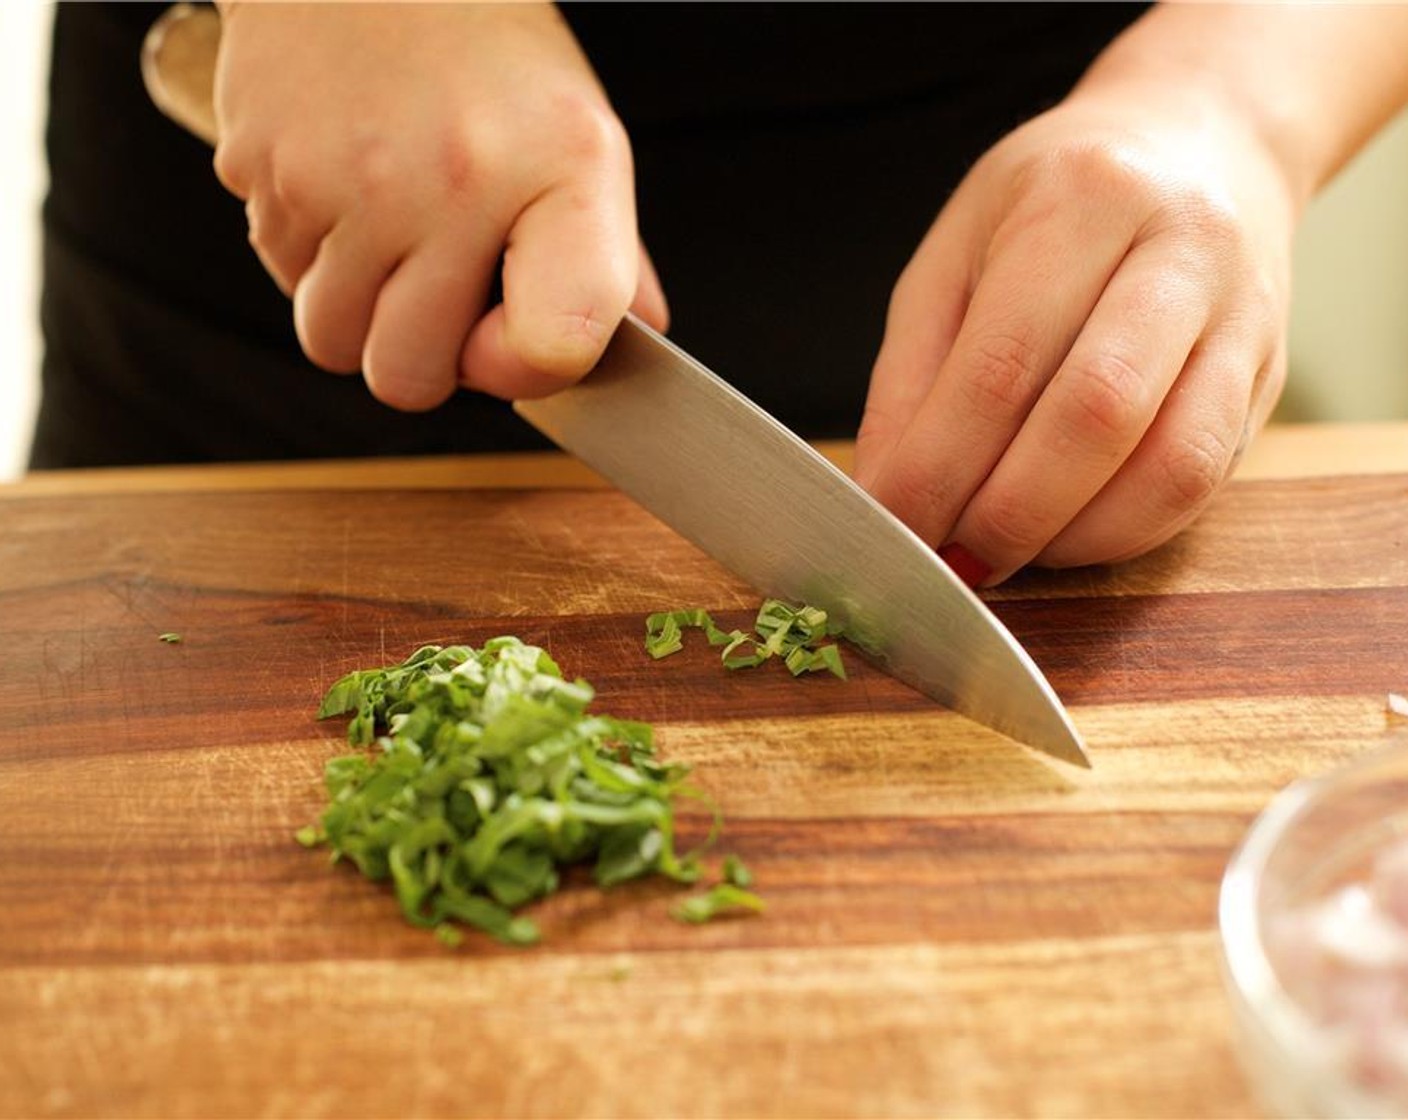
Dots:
(487, 776)
(780, 630)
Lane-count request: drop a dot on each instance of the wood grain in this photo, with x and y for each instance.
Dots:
(1281, 451)
(956, 927)
(910, 1028)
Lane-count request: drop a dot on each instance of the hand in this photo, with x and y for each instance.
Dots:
(391, 155)
(1088, 335)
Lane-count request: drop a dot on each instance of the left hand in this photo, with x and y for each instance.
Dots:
(1088, 335)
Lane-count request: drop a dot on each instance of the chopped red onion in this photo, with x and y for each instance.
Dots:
(1344, 958)
(1390, 883)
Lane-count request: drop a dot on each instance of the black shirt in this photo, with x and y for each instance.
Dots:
(789, 159)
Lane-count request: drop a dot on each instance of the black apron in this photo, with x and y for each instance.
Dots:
(789, 159)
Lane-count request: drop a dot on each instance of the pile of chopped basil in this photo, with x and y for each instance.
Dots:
(781, 630)
(489, 776)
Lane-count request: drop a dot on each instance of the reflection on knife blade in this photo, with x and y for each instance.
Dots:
(728, 477)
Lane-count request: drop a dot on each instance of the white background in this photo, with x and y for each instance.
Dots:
(24, 67)
(1349, 332)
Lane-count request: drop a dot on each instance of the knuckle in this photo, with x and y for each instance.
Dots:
(264, 230)
(372, 168)
(1103, 401)
(259, 225)
(1265, 299)
(1001, 375)
(1004, 522)
(1208, 237)
(231, 169)
(1103, 168)
(290, 188)
(588, 130)
(1191, 469)
(567, 344)
(462, 163)
(1082, 164)
(1271, 374)
(614, 279)
(917, 495)
(1208, 217)
(879, 423)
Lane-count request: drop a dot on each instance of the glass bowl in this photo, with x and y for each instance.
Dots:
(1314, 923)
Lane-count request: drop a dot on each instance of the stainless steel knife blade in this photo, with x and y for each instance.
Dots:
(724, 474)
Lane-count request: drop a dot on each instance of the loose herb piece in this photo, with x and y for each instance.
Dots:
(489, 776)
(170, 638)
(725, 898)
(619, 972)
(781, 630)
(735, 872)
(663, 631)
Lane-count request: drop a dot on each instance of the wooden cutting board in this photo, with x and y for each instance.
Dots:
(955, 926)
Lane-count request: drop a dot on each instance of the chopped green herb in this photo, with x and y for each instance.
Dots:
(803, 660)
(488, 776)
(663, 631)
(309, 836)
(170, 638)
(736, 872)
(449, 935)
(725, 898)
(781, 630)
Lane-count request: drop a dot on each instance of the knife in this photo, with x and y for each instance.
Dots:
(725, 475)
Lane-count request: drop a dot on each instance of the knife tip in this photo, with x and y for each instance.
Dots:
(1068, 747)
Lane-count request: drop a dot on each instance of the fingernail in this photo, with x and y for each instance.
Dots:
(965, 565)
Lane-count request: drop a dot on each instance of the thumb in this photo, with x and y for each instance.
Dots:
(570, 272)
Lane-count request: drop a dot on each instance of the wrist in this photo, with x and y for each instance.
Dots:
(1204, 100)
(1308, 84)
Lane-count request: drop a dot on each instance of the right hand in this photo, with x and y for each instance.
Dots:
(391, 155)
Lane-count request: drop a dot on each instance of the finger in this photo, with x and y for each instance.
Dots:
(650, 303)
(1092, 415)
(570, 272)
(1183, 459)
(1266, 392)
(285, 245)
(289, 211)
(1042, 282)
(925, 312)
(334, 298)
(489, 365)
(424, 312)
